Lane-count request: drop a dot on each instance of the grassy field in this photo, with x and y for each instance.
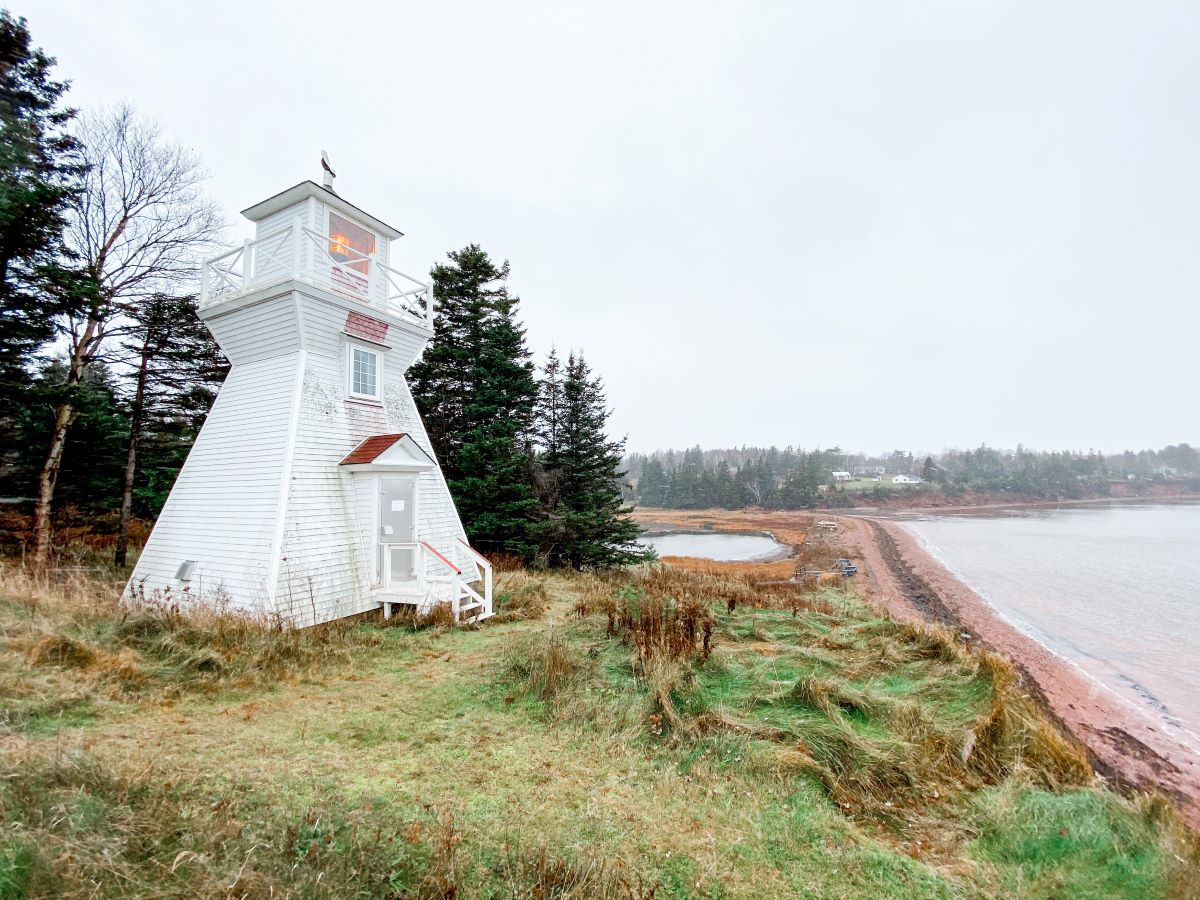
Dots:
(869, 484)
(657, 734)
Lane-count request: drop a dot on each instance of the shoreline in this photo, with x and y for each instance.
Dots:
(899, 513)
(1125, 743)
(1005, 503)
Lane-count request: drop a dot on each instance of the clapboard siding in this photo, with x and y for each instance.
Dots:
(262, 330)
(220, 514)
(323, 572)
(279, 236)
(324, 322)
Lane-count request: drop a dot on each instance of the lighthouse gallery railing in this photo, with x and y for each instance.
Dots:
(304, 254)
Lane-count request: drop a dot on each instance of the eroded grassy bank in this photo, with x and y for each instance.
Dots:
(661, 733)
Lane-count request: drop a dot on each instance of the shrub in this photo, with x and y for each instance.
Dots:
(655, 626)
(542, 665)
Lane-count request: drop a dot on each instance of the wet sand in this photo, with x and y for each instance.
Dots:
(1127, 745)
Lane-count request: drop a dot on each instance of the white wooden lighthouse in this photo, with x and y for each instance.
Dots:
(312, 492)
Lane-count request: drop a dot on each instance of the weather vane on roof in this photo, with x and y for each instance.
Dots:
(327, 179)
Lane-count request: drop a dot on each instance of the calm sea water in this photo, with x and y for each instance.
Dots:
(1115, 589)
(722, 547)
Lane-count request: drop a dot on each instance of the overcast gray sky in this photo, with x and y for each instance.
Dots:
(879, 225)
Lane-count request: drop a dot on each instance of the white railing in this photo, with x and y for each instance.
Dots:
(304, 254)
(480, 563)
(460, 589)
(429, 557)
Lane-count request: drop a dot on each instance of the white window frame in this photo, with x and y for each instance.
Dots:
(377, 352)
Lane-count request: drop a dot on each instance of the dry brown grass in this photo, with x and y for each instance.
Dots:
(518, 596)
(923, 756)
(438, 616)
(544, 875)
(899, 725)
(657, 627)
(773, 570)
(91, 829)
(543, 665)
(70, 632)
(1014, 729)
(506, 562)
(656, 611)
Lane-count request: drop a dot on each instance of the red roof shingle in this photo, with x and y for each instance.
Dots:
(370, 448)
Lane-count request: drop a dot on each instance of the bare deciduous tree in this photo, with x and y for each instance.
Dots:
(135, 229)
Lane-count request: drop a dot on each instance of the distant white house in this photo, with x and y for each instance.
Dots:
(871, 470)
(842, 476)
(907, 479)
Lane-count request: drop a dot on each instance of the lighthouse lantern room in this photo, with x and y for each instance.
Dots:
(312, 491)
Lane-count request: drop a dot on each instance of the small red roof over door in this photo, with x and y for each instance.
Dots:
(374, 446)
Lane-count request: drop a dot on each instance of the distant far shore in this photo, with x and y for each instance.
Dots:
(1018, 503)
(918, 501)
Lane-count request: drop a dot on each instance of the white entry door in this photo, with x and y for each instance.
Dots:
(398, 528)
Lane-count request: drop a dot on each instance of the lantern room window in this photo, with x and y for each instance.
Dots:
(350, 244)
(351, 248)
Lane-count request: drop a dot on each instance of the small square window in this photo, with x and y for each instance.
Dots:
(364, 373)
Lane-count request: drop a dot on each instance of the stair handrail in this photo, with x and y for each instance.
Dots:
(459, 588)
(449, 565)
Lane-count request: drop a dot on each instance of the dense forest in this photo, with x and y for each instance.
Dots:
(792, 478)
(107, 372)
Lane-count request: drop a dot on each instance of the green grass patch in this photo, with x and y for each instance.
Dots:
(812, 748)
(1081, 843)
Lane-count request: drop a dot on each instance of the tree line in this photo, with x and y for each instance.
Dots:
(101, 356)
(107, 372)
(793, 478)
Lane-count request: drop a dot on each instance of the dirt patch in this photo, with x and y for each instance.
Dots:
(762, 648)
(916, 589)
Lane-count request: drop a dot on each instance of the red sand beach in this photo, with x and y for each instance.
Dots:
(1127, 744)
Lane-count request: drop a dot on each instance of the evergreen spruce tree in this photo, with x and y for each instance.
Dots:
(39, 170)
(588, 525)
(548, 424)
(652, 486)
(726, 491)
(94, 453)
(475, 388)
(929, 471)
(549, 418)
